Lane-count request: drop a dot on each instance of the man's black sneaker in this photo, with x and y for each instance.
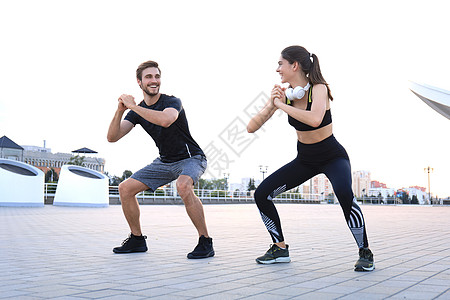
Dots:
(275, 255)
(204, 248)
(132, 244)
(365, 261)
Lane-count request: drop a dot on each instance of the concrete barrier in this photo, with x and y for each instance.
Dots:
(79, 186)
(20, 184)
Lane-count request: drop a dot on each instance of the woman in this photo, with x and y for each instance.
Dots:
(307, 103)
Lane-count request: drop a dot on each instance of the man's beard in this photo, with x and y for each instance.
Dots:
(148, 93)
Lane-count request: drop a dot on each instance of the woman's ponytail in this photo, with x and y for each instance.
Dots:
(315, 74)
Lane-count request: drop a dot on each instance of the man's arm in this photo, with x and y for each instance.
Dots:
(118, 128)
(163, 118)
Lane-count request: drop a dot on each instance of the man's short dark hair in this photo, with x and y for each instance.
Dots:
(145, 65)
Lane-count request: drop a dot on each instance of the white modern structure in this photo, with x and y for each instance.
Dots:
(422, 196)
(438, 99)
(79, 186)
(20, 184)
(383, 192)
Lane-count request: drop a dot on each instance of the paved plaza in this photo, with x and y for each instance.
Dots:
(66, 253)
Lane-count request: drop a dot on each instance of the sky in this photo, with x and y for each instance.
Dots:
(64, 64)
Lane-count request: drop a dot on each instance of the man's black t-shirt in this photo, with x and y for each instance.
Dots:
(174, 142)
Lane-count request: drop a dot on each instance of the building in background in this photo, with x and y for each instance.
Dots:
(381, 192)
(379, 189)
(10, 150)
(243, 185)
(418, 192)
(361, 183)
(377, 184)
(321, 185)
(43, 158)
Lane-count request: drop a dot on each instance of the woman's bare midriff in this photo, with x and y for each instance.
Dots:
(315, 136)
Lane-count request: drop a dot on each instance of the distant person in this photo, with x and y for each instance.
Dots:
(307, 103)
(180, 158)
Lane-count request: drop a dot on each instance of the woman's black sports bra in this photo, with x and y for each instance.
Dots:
(304, 127)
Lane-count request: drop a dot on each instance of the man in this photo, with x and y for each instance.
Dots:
(181, 158)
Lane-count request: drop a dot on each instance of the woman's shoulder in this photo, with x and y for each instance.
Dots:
(319, 87)
(320, 90)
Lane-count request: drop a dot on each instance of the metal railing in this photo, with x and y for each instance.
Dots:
(170, 196)
(380, 200)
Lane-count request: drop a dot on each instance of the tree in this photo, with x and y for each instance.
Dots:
(51, 176)
(220, 184)
(212, 184)
(204, 184)
(414, 200)
(76, 160)
(251, 185)
(403, 195)
(126, 174)
(114, 180)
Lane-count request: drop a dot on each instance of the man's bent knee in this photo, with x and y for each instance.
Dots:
(130, 188)
(185, 188)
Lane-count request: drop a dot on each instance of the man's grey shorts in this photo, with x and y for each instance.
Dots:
(159, 173)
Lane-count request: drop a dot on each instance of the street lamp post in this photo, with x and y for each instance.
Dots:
(429, 170)
(263, 170)
(226, 176)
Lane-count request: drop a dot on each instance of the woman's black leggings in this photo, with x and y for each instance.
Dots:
(327, 157)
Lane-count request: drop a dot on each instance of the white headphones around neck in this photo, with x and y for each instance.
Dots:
(296, 93)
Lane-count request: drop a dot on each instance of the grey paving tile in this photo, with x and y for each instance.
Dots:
(365, 296)
(263, 296)
(66, 253)
(196, 293)
(437, 281)
(59, 292)
(124, 296)
(172, 297)
(221, 296)
(416, 295)
(66, 298)
(345, 290)
(14, 294)
(99, 294)
(445, 295)
(153, 292)
(291, 291)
